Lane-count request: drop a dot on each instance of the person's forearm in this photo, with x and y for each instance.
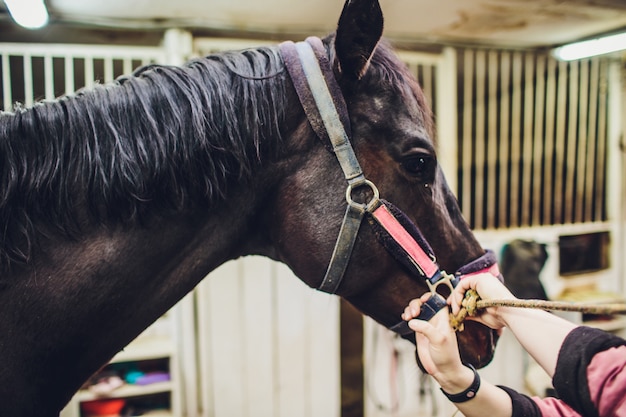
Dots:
(489, 400)
(539, 332)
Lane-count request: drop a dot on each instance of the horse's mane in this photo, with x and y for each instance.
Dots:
(157, 140)
(153, 142)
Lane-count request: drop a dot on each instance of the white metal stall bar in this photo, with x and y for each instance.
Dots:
(116, 60)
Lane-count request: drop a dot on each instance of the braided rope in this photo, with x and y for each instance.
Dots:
(472, 303)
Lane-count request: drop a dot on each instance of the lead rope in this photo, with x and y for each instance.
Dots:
(472, 303)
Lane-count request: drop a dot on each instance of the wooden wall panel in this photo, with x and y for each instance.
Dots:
(268, 344)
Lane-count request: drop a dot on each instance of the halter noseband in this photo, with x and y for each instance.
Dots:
(326, 111)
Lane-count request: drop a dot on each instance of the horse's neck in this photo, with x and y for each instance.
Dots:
(83, 301)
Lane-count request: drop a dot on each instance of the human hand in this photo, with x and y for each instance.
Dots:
(488, 287)
(436, 342)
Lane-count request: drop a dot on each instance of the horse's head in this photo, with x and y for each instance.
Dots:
(393, 138)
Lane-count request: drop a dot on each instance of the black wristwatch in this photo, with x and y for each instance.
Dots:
(469, 393)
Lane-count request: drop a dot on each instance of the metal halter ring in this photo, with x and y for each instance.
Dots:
(363, 206)
(445, 279)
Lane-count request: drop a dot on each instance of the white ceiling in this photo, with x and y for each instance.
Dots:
(501, 22)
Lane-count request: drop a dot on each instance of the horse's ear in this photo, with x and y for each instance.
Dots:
(358, 32)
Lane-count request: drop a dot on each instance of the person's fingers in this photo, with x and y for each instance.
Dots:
(465, 284)
(413, 309)
(456, 297)
(454, 300)
(423, 352)
(435, 330)
(426, 296)
(427, 330)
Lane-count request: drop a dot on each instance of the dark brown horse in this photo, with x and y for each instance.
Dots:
(142, 187)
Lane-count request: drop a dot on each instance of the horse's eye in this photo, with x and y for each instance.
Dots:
(420, 165)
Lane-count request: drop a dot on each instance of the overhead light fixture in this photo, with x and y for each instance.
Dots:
(31, 14)
(592, 47)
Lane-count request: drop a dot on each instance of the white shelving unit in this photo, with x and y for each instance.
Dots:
(156, 343)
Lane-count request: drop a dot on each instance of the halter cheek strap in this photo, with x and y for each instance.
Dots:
(327, 113)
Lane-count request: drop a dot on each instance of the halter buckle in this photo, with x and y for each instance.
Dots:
(449, 280)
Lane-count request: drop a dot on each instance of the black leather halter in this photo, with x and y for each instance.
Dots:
(326, 111)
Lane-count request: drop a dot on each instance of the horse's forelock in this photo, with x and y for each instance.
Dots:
(151, 142)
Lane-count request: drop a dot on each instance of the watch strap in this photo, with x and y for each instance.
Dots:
(469, 393)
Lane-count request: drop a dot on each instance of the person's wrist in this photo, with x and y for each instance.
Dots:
(456, 379)
(463, 395)
(503, 315)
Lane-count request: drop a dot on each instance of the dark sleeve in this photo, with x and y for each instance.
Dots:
(570, 376)
(523, 406)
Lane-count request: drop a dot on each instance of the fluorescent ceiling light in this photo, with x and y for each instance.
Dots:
(31, 14)
(593, 47)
